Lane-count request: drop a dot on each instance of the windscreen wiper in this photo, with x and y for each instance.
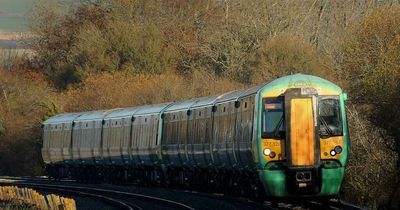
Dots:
(276, 129)
(326, 127)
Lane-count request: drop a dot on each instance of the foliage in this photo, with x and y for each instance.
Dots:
(116, 53)
(284, 54)
(228, 39)
(54, 35)
(121, 89)
(371, 169)
(12, 205)
(369, 58)
(24, 102)
(9, 57)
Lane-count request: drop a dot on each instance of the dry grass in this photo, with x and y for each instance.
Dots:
(25, 100)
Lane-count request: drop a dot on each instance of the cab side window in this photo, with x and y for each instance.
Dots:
(273, 118)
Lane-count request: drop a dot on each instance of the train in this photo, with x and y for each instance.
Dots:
(285, 138)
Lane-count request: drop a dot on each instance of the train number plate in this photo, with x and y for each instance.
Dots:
(302, 184)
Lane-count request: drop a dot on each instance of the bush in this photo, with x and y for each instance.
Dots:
(121, 89)
(94, 37)
(54, 33)
(371, 169)
(25, 100)
(370, 56)
(285, 54)
(369, 62)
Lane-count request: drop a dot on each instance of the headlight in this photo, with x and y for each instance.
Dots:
(267, 152)
(333, 153)
(338, 149)
(272, 154)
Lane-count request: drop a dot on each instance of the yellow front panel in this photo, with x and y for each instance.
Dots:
(302, 132)
(329, 144)
(277, 146)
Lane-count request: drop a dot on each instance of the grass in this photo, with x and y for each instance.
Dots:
(9, 55)
(12, 205)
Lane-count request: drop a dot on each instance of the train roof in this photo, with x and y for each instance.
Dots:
(211, 100)
(204, 101)
(62, 118)
(302, 80)
(152, 109)
(181, 105)
(95, 115)
(282, 83)
(235, 95)
(123, 112)
(137, 110)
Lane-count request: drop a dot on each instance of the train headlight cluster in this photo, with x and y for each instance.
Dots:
(268, 152)
(272, 155)
(333, 153)
(336, 150)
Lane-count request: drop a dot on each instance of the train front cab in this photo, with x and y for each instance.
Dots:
(303, 140)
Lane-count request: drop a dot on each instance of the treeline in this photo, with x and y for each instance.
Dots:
(115, 53)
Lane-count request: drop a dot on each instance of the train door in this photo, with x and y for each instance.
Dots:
(193, 139)
(223, 131)
(301, 137)
(302, 129)
(244, 128)
(66, 141)
(125, 139)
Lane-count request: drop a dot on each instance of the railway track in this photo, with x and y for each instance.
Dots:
(115, 202)
(339, 204)
(298, 203)
(121, 198)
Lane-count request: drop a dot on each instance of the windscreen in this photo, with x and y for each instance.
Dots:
(273, 118)
(329, 117)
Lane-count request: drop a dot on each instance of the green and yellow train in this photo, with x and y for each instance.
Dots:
(288, 137)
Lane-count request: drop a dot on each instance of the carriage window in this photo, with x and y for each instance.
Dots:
(329, 117)
(273, 119)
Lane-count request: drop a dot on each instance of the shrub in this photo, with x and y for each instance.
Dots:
(54, 33)
(25, 100)
(370, 56)
(371, 169)
(369, 62)
(121, 89)
(94, 37)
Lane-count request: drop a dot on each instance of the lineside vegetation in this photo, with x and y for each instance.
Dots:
(116, 53)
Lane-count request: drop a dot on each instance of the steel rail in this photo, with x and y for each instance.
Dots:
(102, 192)
(112, 201)
(334, 204)
(330, 204)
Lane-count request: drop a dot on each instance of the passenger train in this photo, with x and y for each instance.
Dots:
(288, 137)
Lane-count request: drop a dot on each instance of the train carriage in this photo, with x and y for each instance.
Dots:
(57, 131)
(288, 137)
